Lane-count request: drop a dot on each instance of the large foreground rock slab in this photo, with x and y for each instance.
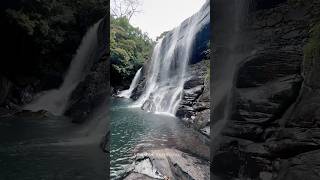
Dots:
(169, 164)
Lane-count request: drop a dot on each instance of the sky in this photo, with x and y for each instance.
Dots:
(158, 16)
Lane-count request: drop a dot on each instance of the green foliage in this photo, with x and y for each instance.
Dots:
(22, 20)
(129, 48)
(53, 27)
(312, 48)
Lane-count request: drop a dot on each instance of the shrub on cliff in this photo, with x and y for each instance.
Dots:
(41, 36)
(129, 49)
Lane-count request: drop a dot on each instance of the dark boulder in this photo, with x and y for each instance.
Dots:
(267, 66)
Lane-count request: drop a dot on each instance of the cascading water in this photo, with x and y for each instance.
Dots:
(56, 101)
(127, 93)
(167, 73)
(228, 37)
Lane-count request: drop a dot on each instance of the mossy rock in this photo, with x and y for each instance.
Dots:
(311, 62)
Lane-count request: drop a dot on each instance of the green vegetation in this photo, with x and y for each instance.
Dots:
(312, 48)
(46, 32)
(129, 48)
(48, 22)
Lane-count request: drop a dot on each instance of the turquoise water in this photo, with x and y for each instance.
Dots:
(134, 131)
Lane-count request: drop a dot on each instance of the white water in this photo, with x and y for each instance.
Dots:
(167, 70)
(127, 93)
(56, 101)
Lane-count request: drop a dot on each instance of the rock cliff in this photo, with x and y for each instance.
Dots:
(273, 129)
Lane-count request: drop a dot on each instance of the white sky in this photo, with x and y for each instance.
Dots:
(158, 16)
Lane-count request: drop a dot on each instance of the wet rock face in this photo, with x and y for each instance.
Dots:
(267, 84)
(268, 65)
(268, 102)
(138, 91)
(267, 4)
(195, 105)
(274, 124)
(201, 41)
(90, 93)
(303, 166)
(306, 113)
(311, 72)
(94, 89)
(103, 37)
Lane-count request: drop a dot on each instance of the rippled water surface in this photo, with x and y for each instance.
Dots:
(34, 147)
(134, 130)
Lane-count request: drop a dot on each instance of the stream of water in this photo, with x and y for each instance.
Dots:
(47, 147)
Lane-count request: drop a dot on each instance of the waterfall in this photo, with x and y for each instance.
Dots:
(227, 35)
(127, 93)
(166, 73)
(56, 101)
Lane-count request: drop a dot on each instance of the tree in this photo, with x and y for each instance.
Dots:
(129, 49)
(125, 8)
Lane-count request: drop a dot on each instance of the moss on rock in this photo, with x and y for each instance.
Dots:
(312, 55)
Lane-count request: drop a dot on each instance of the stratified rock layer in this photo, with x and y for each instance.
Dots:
(273, 132)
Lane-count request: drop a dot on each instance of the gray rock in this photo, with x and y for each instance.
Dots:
(303, 166)
(206, 131)
(137, 176)
(267, 66)
(89, 94)
(273, 131)
(170, 163)
(202, 119)
(267, 102)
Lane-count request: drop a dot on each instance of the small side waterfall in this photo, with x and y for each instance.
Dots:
(167, 74)
(55, 101)
(127, 93)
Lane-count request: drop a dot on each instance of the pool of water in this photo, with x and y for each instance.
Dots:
(134, 131)
(34, 146)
